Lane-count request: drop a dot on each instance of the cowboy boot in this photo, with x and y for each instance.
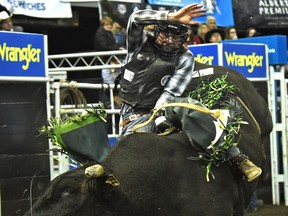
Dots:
(248, 168)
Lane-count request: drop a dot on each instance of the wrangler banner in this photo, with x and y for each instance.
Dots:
(261, 13)
(22, 54)
(251, 60)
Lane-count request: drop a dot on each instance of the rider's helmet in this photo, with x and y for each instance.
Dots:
(169, 38)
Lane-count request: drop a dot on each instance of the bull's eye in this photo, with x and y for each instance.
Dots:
(67, 192)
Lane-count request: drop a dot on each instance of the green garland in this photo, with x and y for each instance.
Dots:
(210, 92)
(57, 125)
(215, 93)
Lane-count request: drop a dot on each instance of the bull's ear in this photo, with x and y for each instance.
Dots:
(112, 180)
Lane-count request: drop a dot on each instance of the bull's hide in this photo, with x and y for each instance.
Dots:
(157, 178)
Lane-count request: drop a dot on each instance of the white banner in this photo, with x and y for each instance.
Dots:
(39, 8)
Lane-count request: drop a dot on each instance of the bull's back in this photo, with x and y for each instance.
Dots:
(171, 176)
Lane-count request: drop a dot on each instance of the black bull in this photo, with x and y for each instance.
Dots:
(155, 176)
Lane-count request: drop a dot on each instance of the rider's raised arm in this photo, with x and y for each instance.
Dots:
(137, 21)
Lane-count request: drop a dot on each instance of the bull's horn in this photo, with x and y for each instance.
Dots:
(94, 171)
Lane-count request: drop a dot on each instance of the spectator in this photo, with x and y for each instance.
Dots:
(190, 37)
(215, 36)
(211, 23)
(120, 35)
(6, 23)
(109, 75)
(231, 33)
(252, 32)
(201, 32)
(104, 39)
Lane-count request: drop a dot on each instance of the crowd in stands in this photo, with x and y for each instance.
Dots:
(208, 32)
(112, 36)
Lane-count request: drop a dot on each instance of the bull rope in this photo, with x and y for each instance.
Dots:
(215, 113)
(250, 114)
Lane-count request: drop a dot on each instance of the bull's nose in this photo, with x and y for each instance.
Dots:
(94, 171)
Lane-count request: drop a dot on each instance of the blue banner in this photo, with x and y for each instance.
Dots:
(206, 54)
(22, 54)
(221, 10)
(249, 59)
(277, 47)
(178, 3)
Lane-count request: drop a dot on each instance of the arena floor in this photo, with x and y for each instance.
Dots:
(269, 210)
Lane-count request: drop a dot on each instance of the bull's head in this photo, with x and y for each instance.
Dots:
(77, 192)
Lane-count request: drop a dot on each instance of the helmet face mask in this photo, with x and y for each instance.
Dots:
(169, 38)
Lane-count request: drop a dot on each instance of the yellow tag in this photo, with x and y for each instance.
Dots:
(112, 180)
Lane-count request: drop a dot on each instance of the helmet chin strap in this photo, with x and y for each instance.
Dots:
(167, 49)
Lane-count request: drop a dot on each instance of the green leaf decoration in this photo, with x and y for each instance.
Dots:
(210, 92)
(213, 94)
(57, 126)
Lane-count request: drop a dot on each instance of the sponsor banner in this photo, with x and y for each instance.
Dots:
(251, 60)
(277, 44)
(261, 13)
(206, 54)
(40, 9)
(221, 10)
(248, 59)
(22, 54)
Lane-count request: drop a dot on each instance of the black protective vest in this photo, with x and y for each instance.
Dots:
(144, 77)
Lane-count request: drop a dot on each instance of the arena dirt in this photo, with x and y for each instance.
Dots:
(270, 210)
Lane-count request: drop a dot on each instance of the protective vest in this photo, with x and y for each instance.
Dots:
(144, 77)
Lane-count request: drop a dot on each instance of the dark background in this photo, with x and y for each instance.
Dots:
(24, 160)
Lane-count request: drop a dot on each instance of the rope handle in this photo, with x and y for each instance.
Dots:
(215, 113)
